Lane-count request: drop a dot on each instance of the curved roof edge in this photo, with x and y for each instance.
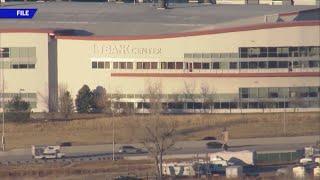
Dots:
(18, 30)
(197, 33)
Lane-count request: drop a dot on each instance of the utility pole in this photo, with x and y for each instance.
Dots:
(3, 142)
(284, 117)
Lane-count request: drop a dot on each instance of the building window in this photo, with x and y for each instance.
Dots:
(154, 65)
(171, 65)
(164, 65)
(94, 65)
(205, 65)
(314, 64)
(115, 65)
(31, 66)
(197, 65)
(5, 53)
(179, 65)
(100, 65)
(262, 64)
(283, 64)
(272, 64)
(244, 65)
(233, 65)
(215, 65)
(139, 65)
(107, 65)
(253, 65)
(23, 66)
(244, 92)
(272, 52)
(146, 65)
(129, 65)
(122, 65)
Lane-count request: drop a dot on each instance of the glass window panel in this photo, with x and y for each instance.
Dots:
(296, 64)
(283, 51)
(215, 65)
(23, 66)
(253, 92)
(115, 65)
(243, 52)
(263, 64)
(31, 66)
(154, 65)
(272, 52)
(263, 92)
(314, 64)
(244, 65)
(146, 65)
(272, 64)
(179, 65)
(122, 65)
(293, 52)
(94, 65)
(205, 65)
(233, 65)
(139, 65)
(164, 65)
(101, 65)
(107, 65)
(253, 52)
(224, 65)
(171, 65)
(283, 92)
(197, 65)
(253, 65)
(263, 52)
(283, 64)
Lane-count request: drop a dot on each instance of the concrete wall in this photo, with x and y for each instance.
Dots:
(76, 55)
(31, 80)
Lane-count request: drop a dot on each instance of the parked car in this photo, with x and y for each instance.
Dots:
(216, 145)
(129, 149)
(207, 138)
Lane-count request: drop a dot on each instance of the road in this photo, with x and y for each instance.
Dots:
(181, 149)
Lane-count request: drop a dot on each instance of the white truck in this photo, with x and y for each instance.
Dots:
(244, 158)
(46, 152)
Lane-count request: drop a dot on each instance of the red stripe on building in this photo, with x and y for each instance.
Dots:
(239, 75)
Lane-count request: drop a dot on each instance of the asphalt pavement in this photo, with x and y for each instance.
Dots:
(181, 149)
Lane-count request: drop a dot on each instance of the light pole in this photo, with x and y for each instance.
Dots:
(3, 142)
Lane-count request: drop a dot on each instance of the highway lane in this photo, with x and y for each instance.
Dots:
(181, 148)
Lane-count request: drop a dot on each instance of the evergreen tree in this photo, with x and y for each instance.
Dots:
(84, 100)
(16, 104)
(99, 99)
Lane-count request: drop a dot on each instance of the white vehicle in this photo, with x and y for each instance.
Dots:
(243, 158)
(46, 152)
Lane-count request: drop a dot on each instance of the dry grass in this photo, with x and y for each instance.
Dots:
(189, 127)
(60, 170)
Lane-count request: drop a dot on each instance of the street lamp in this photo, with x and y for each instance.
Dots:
(2, 100)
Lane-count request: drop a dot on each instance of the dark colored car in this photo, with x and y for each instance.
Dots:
(127, 178)
(65, 144)
(216, 145)
(208, 138)
(129, 149)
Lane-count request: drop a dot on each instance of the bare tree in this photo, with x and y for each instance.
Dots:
(189, 92)
(158, 134)
(65, 102)
(207, 96)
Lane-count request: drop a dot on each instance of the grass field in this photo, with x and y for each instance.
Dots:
(189, 127)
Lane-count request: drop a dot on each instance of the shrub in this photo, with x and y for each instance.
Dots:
(99, 99)
(16, 104)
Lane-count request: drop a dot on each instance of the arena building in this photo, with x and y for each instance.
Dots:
(223, 59)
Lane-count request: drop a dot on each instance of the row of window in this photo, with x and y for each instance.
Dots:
(302, 51)
(208, 65)
(22, 66)
(22, 95)
(280, 92)
(234, 105)
(18, 52)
